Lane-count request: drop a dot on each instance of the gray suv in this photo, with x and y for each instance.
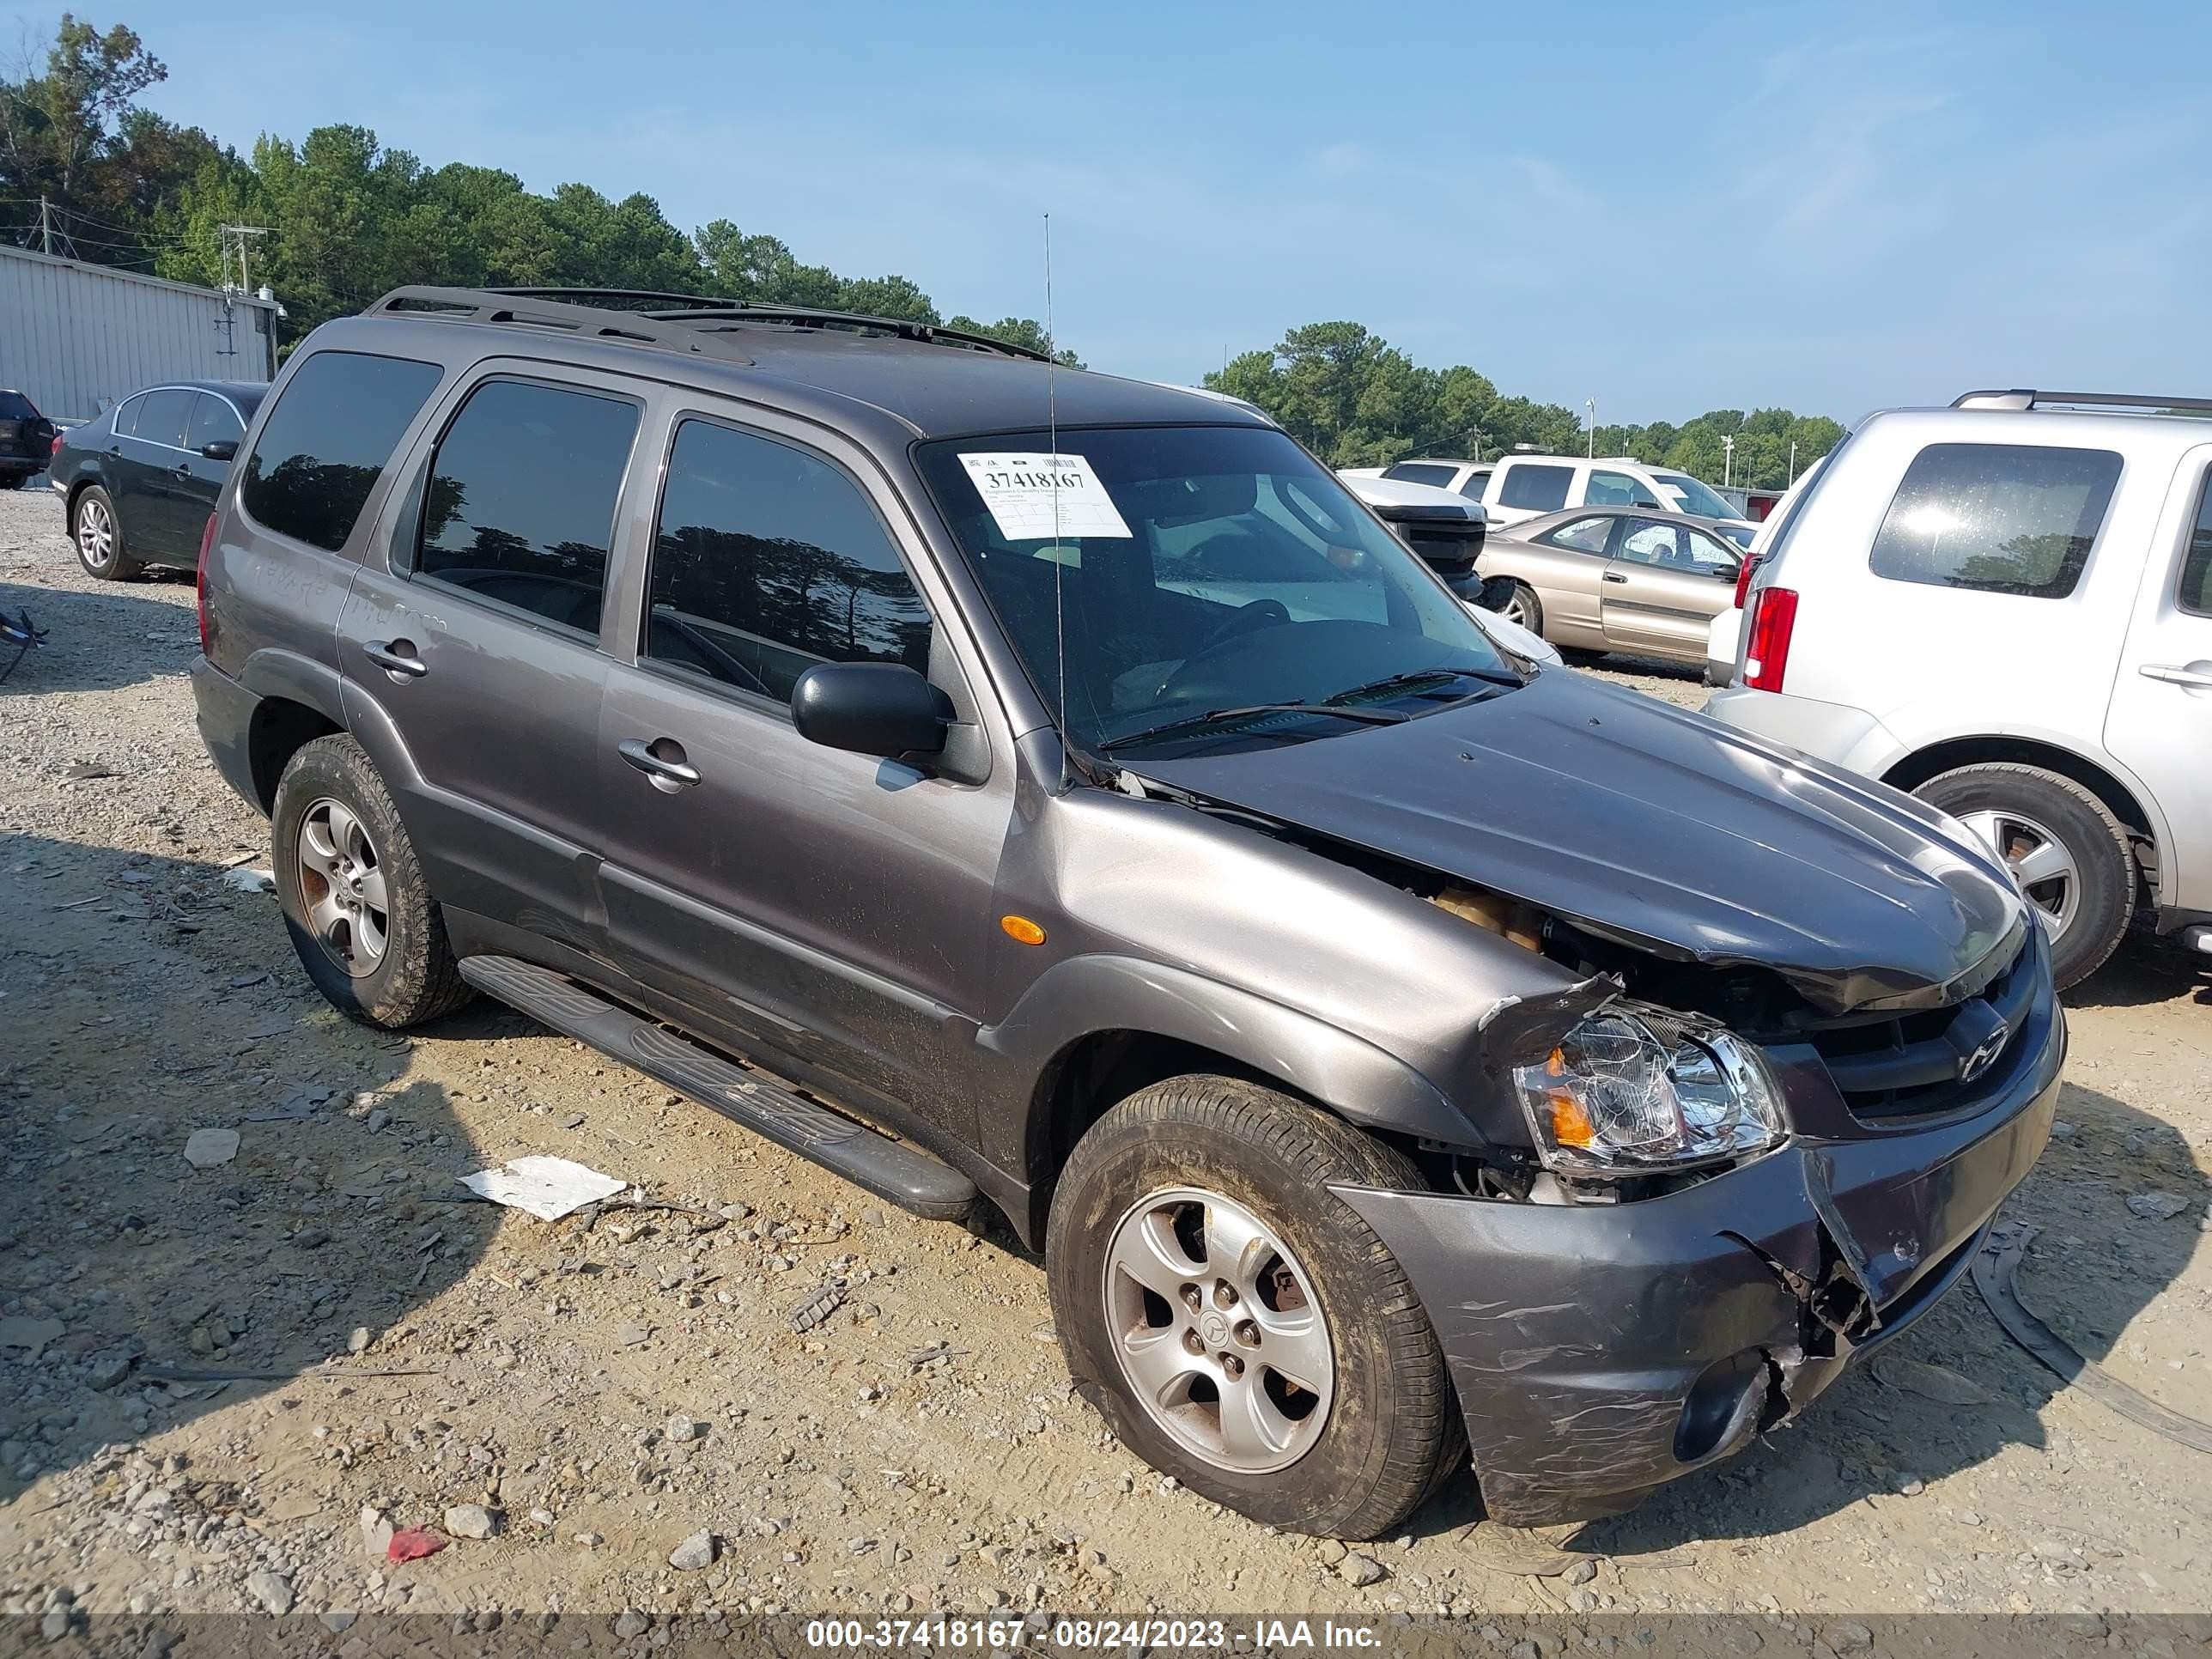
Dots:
(1002, 783)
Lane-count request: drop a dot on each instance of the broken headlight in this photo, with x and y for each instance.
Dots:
(1633, 1088)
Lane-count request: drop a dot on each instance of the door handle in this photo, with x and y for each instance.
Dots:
(664, 774)
(396, 657)
(1612, 576)
(2174, 674)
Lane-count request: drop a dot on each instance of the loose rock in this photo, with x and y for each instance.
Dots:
(695, 1554)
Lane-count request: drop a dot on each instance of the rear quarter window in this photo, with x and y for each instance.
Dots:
(2015, 518)
(2196, 594)
(328, 441)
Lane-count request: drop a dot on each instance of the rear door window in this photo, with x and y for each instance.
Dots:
(1538, 489)
(2196, 594)
(520, 506)
(1422, 472)
(1996, 518)
(163, 417)
(326, 444)
(1581, 535)
(1616, 489)
(768, 560)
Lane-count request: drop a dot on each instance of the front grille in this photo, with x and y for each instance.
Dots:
(1916, 1064)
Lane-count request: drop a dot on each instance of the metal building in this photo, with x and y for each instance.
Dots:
(77, 339)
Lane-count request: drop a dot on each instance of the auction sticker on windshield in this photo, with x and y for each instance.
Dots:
(1038, 498)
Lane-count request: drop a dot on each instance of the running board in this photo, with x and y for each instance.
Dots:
(903, 1174)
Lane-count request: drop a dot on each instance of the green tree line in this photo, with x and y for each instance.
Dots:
(346, 218)
(1355, 400)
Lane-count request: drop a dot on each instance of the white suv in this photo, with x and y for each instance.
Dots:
(2005, 607)
(1521, 487)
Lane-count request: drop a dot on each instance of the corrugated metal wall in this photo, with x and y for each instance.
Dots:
(77, 339)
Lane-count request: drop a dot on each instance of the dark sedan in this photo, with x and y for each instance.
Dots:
(139, 482)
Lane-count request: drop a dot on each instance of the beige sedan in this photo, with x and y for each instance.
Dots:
(1613, 579)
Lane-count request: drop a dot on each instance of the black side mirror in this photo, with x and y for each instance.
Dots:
(870, 708)
(221, 449)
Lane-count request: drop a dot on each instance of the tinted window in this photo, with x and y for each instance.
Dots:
(163, 416)
(1999, 517)
(1541, 488)
(14, 406)
(1420, 472)
(767, 561)
(327, 441)
(1477, 482)
(521, 501)
(2196, 564)
(126, 416)
(1583, 535)
(213, 422)
(1616, 489)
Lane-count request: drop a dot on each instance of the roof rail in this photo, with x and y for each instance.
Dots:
(2021, 397)
(589, 310)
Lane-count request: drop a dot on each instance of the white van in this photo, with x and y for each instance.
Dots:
(1520, 487)
(2005, 607)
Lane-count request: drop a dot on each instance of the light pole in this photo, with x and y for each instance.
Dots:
(1793, 463)
(1591, 404)
(1728, 459)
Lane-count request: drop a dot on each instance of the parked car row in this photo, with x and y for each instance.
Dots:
(1518, 487)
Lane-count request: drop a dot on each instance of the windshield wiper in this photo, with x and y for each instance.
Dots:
(1224, 716)
(1423, 677)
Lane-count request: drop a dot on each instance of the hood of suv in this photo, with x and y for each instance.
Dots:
(1655, 827)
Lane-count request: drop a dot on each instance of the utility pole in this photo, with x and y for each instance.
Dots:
(1728, 459)
(239, 236)
(1591, 404)
(45, 227)
(1793, 463)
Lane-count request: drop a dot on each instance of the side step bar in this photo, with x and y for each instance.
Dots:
(901, 1174)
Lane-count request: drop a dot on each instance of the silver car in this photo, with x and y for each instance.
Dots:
(1619, 579)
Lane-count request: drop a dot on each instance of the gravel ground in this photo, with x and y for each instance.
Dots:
(590, 1397)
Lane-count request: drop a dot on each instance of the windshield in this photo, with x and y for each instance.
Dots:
(1222, 568)
(1695, 496)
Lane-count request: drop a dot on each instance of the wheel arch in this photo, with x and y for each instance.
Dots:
(2125, 799)
(1094, 1030)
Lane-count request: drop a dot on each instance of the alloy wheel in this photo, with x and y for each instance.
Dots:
(2045, 868)
(1217, 1330)
(341, 887)
(95, 532)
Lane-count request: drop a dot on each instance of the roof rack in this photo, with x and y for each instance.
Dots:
(2021, 397)
(675, 321)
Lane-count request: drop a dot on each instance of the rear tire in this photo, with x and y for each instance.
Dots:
(2070, 853)
(388, 964)
(1203, 1162)
(97, 534)
(1516, 601)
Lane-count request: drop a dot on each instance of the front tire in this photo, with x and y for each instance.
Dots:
(98, 535)
(1239, 1327)
(359, 914)
(2070, 854)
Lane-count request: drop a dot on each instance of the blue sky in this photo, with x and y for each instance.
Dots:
(1667, 208)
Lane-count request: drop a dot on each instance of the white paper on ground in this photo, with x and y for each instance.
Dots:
(1037, 498)
(547, 1188)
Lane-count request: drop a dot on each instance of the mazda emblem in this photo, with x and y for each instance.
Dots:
(1986, 1055)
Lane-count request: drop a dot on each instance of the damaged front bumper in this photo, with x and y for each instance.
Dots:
(1602, 1350)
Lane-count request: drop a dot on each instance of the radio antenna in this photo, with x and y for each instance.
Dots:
(1052, 468)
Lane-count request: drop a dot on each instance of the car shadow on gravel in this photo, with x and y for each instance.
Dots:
(2094, 1265)
(95, 642)
(2145, 969)
(154, 1271)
